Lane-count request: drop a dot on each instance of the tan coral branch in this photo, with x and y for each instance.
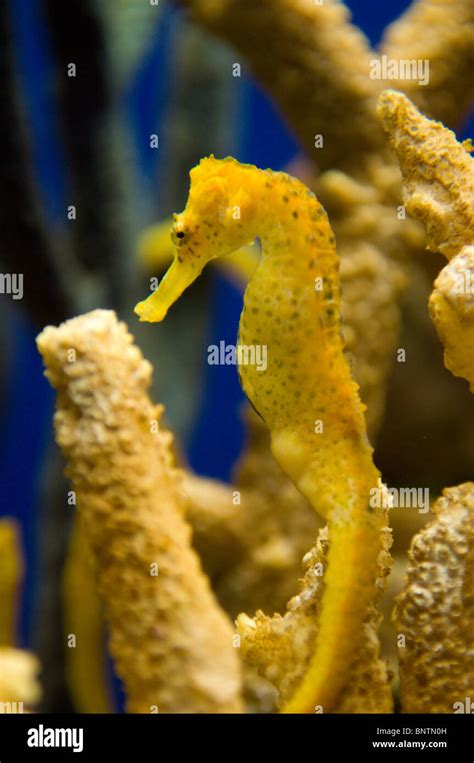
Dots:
(438, 176)
(313, 62)
(435, 611)
(276, 650)
(171, 642)
(442, 33)
(438, 173)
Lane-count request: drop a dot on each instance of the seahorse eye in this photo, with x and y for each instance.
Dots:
(180, 234)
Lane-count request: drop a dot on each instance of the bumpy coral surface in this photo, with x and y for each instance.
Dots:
(435, 612)
(438, 173)
(278, 649)
(171, 642)
(442, 33)
(438, 188)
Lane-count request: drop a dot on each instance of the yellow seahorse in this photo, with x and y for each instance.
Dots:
(306, 394)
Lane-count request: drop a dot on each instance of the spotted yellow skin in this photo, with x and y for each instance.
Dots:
(155, 252)
(292, 305)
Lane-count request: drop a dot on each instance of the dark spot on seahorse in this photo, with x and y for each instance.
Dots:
(312, 264)
(295, 214)
(285, 199)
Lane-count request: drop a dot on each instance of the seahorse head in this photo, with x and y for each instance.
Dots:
(213, 224)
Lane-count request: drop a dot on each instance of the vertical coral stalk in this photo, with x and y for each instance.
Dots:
(438, 188)
(435, 611)
(171, 642)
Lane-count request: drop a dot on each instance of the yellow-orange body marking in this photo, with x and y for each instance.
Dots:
(306, 394)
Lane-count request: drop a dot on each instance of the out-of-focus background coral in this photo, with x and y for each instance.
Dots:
(141, 70)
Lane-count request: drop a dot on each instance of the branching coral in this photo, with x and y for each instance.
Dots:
(322, 63)
(435, 613)
(438, 173)
(279, 648)
(171, 642)
(438, 176)
(323, 655)
(104, 466)
(442, 33)
(317, 68)
(317, 65)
